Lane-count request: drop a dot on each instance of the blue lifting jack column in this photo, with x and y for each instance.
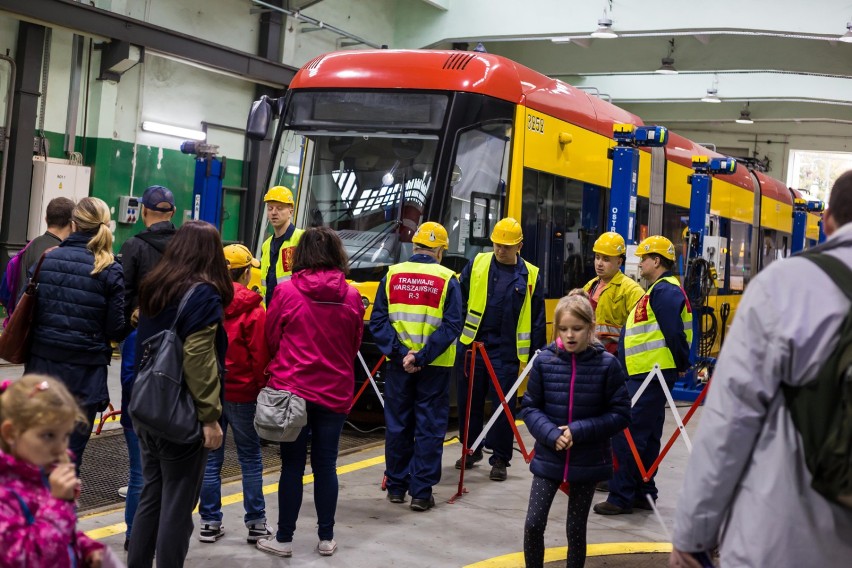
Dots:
(621, 217)
(698, 274)
(207, 188)
(801, 208)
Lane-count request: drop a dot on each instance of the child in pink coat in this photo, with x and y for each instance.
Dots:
(38, 483)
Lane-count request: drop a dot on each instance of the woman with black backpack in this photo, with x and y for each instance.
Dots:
(192, 269)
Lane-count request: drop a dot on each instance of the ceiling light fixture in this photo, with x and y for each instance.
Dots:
(667, 67)
(745, 116)
(177, 131)
(604, 30)
(712, 96)
(847, 37)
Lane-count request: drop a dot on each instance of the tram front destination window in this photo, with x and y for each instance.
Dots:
(381, 110)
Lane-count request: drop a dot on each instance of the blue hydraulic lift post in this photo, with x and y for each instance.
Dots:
(701, 181)
(621, 217)
(207, 187)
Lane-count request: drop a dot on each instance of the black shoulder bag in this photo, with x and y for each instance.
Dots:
(161, 403)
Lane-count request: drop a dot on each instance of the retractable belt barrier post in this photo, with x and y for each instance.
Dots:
(681, 424)
(478, 347)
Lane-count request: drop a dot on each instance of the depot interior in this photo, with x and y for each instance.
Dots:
(99, 96)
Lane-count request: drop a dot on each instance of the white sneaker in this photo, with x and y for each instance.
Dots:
(122, 492)
(326, 547)
(272, 546)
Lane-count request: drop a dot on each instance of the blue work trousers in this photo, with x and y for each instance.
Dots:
(134, 455)
(323, 431)
(240, 417)
(501, 436)
(647, 418)
(417, 406)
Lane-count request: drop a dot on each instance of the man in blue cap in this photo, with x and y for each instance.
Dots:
(138, 256)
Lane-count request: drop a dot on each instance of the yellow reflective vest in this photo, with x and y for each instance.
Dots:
(644, 342)
(614, 305)
(416, 293)
(479, 297)
(284, 267)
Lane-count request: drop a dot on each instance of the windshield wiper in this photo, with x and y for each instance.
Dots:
(393, 225)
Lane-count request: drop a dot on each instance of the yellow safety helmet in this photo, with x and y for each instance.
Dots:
(507, 232)
(656, 244)
(610, 244)
(279, 193)
(239, 256)
(431, 235)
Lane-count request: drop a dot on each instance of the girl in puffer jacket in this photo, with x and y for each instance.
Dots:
(576, 400)
(38, 484)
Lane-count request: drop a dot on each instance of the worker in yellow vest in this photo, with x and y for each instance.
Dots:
(277, 250)
(504, 305)
(658, 331)
(611, 293)
(416, 319)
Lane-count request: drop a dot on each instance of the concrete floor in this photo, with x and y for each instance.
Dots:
(371, 532)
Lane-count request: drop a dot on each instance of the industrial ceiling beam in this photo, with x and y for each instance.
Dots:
(88, 20)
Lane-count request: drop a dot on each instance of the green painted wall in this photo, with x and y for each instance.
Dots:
(112, 172)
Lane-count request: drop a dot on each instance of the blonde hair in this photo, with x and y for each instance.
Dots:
(578, 305)
(28, 403)
(92, 216)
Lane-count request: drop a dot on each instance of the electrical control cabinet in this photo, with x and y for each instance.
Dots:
(128, 209)
(54, 178)
(715, 252)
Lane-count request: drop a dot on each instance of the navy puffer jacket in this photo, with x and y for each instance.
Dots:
(77, 314)
(601, 410)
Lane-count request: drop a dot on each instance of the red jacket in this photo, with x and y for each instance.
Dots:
(247, 355)
(313, 328)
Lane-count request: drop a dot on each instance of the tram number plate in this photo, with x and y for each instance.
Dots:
(535, 124)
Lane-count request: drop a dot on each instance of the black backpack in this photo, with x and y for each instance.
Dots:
(822, 409)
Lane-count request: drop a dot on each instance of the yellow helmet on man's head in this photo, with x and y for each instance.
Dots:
(610, 244)
(507, 232)
(431, 235)
(656, 244)
(279, 193)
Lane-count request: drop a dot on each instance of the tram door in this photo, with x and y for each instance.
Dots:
(554, 239)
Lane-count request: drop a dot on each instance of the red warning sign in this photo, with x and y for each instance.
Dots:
(416, 289)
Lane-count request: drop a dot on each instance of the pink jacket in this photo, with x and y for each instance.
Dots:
(314, 326)
(50, 538)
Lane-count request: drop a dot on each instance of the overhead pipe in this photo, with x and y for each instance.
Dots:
(319, 23)
(10, 102)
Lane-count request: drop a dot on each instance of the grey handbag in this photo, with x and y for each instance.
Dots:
(280, 415)
(161, 403)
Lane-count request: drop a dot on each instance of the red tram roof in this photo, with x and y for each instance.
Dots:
(464, 71)
(774, 189)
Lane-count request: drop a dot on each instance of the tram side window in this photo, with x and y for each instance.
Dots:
(774, 246)
(675, 224)
(554, 239)
(478, 182)
(740, 255)
(643, 207)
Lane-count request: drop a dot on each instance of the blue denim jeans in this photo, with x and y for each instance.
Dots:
(135, 483)
(323, 430)
(240, 416)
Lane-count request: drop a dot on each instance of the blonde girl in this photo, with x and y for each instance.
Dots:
(80, 310)
(576, 400)
(38, 485)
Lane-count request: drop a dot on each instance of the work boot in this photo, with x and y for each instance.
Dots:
(607, 508)
(421, 505)
(498, 470)
(602, 486)
(470, 460)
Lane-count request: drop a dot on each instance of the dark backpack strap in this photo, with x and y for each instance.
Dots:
(183, 302)
(836, 269)
(26, 510)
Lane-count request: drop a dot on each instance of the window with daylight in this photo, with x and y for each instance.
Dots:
(813, 173)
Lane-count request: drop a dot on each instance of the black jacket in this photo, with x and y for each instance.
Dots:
(138, 256)
(601, 410)
(77, 314)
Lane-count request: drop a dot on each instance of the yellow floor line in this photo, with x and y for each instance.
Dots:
(120, 528)
(516, 559)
